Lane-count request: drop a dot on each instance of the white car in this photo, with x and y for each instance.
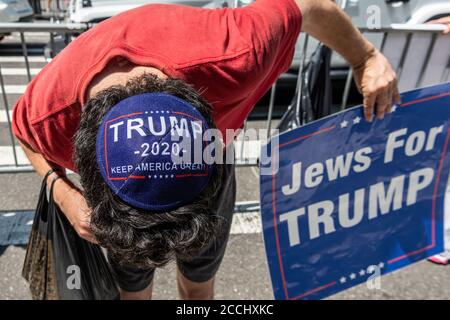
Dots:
(411, 12)
(92, 11)
(408, 12)
(15, 10)
(389, 12)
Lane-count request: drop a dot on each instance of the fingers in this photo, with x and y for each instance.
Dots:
(382, 102)
(379, 98)
(369, 105)
(445, 20)
(390, 99)
(84, 231)
(396, 94)
(86, 235)
(436, 21)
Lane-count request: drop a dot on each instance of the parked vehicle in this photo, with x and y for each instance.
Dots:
(376, 14)
(365, 14)
(15, 10)
(362, 12)
(92, 11)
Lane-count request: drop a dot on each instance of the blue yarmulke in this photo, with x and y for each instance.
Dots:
(149, 151)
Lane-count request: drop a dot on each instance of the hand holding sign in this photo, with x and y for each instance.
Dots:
(377, 82)
(350, 195)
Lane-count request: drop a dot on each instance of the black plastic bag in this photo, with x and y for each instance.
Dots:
(56, 255)
(315, 93)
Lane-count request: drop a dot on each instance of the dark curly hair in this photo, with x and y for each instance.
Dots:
(133, 236)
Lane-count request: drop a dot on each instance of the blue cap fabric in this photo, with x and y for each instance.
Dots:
(145, 151)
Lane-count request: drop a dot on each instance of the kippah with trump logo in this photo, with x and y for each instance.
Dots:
(150, 151)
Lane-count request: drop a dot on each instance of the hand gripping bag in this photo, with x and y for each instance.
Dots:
(61, 265)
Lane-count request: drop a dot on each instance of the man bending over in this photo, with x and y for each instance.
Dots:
(108, 105)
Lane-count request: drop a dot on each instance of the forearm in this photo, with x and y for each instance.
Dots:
(325, 21)
(39, 163)
(66, 195)
(63, 186)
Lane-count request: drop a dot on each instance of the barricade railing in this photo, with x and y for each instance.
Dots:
(19, 163)
(404, 46)
(420, 54)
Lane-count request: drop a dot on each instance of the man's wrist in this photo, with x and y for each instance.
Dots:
(368, 50)
(62, 189)
(52, 177)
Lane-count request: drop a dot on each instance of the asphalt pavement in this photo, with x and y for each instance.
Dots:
(243, 274)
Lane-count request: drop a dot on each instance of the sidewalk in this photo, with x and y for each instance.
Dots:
(243, 274)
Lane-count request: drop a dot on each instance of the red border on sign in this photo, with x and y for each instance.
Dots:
(433, 211)
(433, 208)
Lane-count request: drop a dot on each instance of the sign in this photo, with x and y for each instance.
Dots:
(349, 200)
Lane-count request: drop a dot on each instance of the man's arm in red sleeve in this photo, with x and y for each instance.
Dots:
(374, 76)
(66, 195)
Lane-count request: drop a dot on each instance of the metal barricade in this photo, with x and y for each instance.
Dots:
(420, 54)
(403, 45)
(19, 163)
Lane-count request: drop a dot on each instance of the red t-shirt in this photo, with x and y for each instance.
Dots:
(232, 56)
